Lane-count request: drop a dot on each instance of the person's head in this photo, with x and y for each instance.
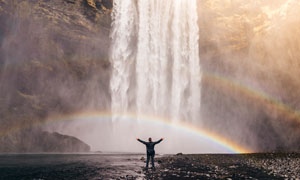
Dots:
(150, 139)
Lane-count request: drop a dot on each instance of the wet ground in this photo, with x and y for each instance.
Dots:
(251, 166)
(70, 167)
(130, 166)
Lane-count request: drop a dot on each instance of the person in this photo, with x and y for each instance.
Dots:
(150, 150)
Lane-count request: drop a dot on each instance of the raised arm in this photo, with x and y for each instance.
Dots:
(141, 141)
(159, 141)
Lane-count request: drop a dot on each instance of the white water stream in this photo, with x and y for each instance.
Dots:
(155, 59)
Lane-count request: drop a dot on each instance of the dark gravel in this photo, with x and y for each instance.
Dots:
(131, 166)
(249, 166)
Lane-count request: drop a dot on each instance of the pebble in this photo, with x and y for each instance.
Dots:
(211, 167)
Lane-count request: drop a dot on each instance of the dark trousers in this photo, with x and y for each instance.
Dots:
(150, 156)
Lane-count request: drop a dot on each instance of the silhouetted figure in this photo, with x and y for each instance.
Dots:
(150, 150)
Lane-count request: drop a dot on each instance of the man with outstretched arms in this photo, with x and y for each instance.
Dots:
(150, 150)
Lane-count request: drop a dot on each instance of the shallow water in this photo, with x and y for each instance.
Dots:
(71, 166)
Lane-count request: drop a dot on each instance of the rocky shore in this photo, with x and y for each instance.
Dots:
(131, 167)
(218, 166)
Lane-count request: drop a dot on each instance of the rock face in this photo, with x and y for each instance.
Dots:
(55, 142)
(100, 4)
(252, 45)
(53, 60)
(41, 141)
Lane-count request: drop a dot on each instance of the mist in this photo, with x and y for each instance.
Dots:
(255, 45)
(54, 60)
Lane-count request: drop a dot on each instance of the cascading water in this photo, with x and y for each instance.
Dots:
(122, 55)
(155, 58)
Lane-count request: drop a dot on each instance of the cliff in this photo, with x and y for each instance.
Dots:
(40, 141)
(53, 60)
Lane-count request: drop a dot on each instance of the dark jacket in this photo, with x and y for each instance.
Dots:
(150, 146)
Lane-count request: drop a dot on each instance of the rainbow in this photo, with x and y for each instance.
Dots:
(212, 137)
(215, 80)
(272, 104)
(208, 135)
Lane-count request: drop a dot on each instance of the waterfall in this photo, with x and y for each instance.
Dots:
(122, 55)
(155, 58)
